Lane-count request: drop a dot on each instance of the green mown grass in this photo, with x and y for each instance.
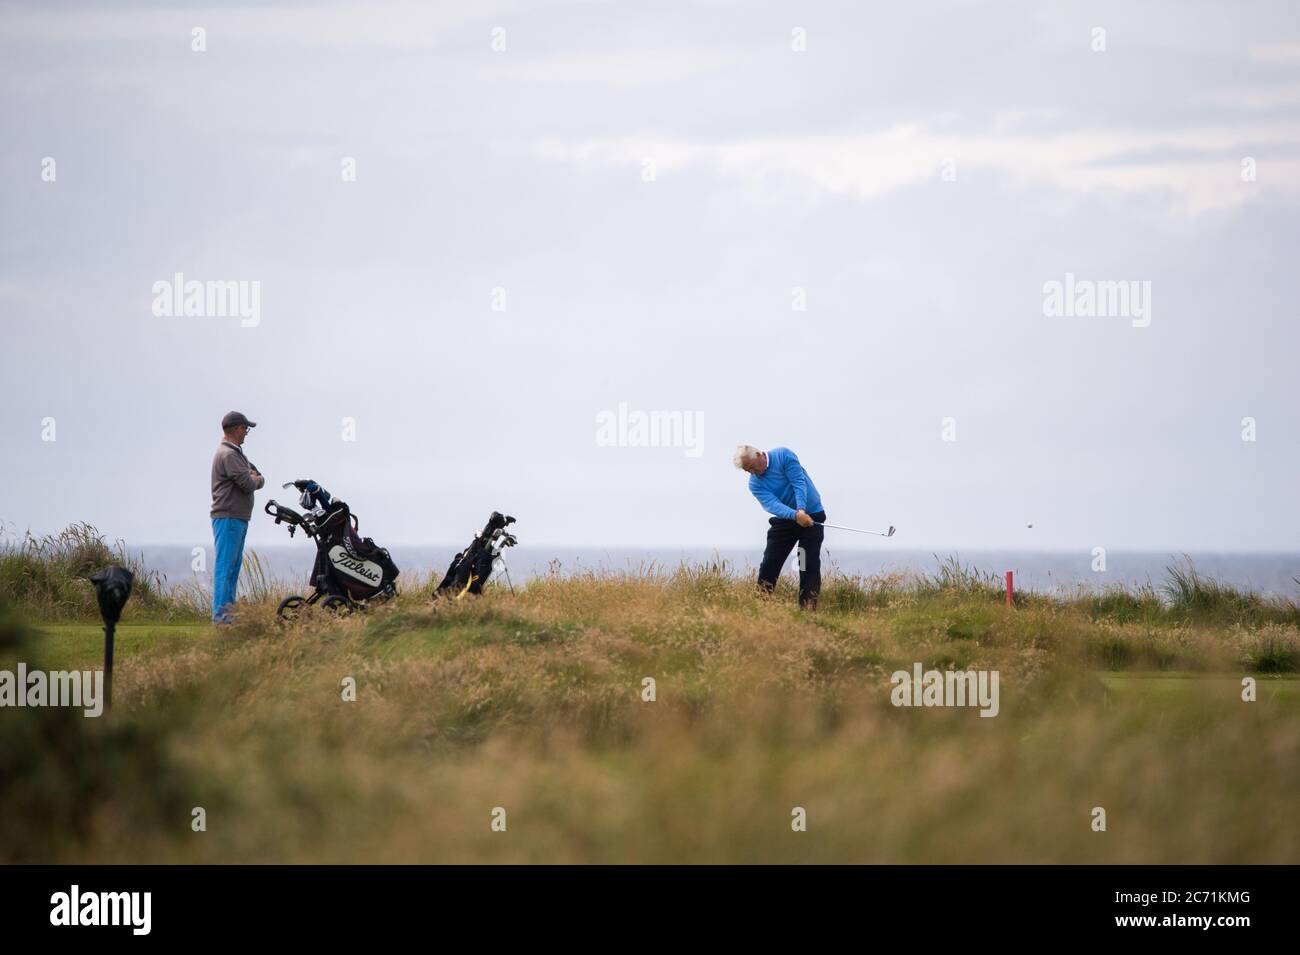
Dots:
(75, 646)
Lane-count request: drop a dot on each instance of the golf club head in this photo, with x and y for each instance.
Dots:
(891, 531)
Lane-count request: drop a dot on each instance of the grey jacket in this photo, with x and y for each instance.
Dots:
(233, 483)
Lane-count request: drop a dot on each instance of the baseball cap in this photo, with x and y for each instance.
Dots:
(234, 419)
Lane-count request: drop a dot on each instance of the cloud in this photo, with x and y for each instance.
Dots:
(1276, 53)
(1255, 99)
(1194, 169)
(621, 68)
(402, 24)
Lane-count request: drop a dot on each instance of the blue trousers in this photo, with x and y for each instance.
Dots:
(228, 533)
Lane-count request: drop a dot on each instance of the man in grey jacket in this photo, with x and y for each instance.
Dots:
(234, 479)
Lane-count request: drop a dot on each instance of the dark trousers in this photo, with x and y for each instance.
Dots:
(781, 538)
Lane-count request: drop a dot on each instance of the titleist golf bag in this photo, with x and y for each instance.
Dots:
(350, 570)
(471, 568)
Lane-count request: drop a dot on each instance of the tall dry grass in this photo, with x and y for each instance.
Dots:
(533, 702)
(47, 577)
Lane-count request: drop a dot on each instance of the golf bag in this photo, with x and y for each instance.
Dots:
(350, 570)
(471, 568)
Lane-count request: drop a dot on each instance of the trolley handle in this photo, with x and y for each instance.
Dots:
(282, 514)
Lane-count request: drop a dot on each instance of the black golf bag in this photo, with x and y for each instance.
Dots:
(349, 569)
(471, 568)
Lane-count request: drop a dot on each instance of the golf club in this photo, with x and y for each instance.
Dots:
(841, 527)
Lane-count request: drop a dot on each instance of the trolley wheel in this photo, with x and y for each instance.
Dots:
(336, 604)
(290, 607)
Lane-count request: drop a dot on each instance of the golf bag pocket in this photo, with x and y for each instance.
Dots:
(357, 565)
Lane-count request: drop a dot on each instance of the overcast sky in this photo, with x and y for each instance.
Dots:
(563, 207)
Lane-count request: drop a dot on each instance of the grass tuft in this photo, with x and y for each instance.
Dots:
(48, 577)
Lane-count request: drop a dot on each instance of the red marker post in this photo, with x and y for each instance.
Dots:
(1010, 588)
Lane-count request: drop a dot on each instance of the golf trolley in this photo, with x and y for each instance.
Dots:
(471, 568)
(351, 571)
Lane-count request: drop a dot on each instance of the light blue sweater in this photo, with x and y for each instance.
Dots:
(785, 486)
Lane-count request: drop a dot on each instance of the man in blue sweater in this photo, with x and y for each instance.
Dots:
(783, 487)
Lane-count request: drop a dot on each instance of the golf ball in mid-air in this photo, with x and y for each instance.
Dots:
(1030, 524)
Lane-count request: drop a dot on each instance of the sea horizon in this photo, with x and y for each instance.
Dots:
(1271, 573)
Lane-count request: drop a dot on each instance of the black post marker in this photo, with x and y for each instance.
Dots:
(109, 630)
(112, 588)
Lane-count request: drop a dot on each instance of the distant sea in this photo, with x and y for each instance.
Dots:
(1042, 571)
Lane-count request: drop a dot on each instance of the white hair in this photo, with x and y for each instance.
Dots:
(743, 452)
